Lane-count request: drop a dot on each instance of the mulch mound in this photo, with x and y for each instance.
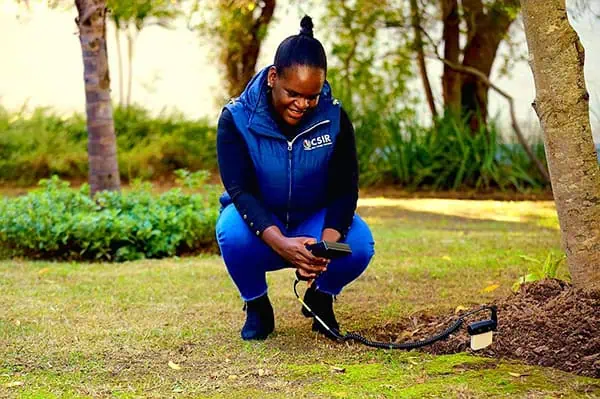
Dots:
(547, 323)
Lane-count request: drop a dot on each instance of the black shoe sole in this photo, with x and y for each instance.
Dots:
(260, 337)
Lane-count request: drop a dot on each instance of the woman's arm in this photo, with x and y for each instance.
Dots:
(342, 189)
(239, 178)
(238, 175)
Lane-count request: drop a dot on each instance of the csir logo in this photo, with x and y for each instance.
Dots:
(317, 142)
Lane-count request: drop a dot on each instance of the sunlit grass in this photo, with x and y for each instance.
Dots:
(110, 330)
(542, 212)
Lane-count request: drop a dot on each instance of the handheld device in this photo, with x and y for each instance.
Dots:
(326, 249)
(329, 249)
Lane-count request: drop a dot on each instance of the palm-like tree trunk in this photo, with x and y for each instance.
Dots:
(561, 103)
(102, 142)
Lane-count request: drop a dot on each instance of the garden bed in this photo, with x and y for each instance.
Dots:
(546, 323)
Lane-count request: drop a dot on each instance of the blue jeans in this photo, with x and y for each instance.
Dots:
(248, 258)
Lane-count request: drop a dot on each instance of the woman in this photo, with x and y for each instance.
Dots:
(287, 158)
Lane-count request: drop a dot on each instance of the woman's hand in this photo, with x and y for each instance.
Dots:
(293, 250)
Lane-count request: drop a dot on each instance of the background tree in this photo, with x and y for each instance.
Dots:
(482, 26)
(369, 68)
(102, 143)
(421, 26)
(418, 47)
(237, 29)
(561, 103)
(487, 25)
(129, 18)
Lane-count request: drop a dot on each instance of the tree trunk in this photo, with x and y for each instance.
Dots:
(485, 32)
(557, 58)
(451, 79)
(418, 45)
(241, 60)
(102, 143)
(479, 54)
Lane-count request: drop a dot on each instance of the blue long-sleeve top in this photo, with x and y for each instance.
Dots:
(240, 181)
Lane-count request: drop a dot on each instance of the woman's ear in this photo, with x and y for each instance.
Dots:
(271, 76)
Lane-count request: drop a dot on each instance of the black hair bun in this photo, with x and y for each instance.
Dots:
(306, 26)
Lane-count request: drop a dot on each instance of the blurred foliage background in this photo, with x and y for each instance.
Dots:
(381, 57)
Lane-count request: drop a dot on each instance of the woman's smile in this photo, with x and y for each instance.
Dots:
(295, 114)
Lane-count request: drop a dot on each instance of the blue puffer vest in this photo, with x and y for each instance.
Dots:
(292, 175)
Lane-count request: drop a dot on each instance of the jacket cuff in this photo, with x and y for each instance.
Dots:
(256, 224)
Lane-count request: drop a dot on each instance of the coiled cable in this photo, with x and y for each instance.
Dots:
(350, 336)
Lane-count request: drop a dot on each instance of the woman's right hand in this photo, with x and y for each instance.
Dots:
(293, 251)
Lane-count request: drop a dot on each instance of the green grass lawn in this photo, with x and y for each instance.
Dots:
(111, 330)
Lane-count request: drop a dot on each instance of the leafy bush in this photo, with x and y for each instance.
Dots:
(41, 145)
(393, 148)
(45, 144)
(56, 221)
(151, 147)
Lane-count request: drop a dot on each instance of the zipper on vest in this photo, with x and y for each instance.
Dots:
(290, 146)
(287, 216)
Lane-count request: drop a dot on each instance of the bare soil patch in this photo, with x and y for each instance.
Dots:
(547, 323)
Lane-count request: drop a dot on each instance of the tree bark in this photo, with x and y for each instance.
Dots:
(451, 80)
(418, 45)
(561, 103)
(485, 32)
(102, 143)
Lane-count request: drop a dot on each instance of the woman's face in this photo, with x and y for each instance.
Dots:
(295, 91)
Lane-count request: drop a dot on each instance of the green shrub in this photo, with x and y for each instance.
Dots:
(45, 144)
(151, 147)
(393, 148)
(56, 221)
(41, 145)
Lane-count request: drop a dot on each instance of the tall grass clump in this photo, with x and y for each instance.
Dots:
(445, 156)
(59, 222)
(449, 155)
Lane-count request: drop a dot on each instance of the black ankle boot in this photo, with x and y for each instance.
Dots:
(260, 321)
(321, 304)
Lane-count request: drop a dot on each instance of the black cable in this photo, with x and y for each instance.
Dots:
(389, 345)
